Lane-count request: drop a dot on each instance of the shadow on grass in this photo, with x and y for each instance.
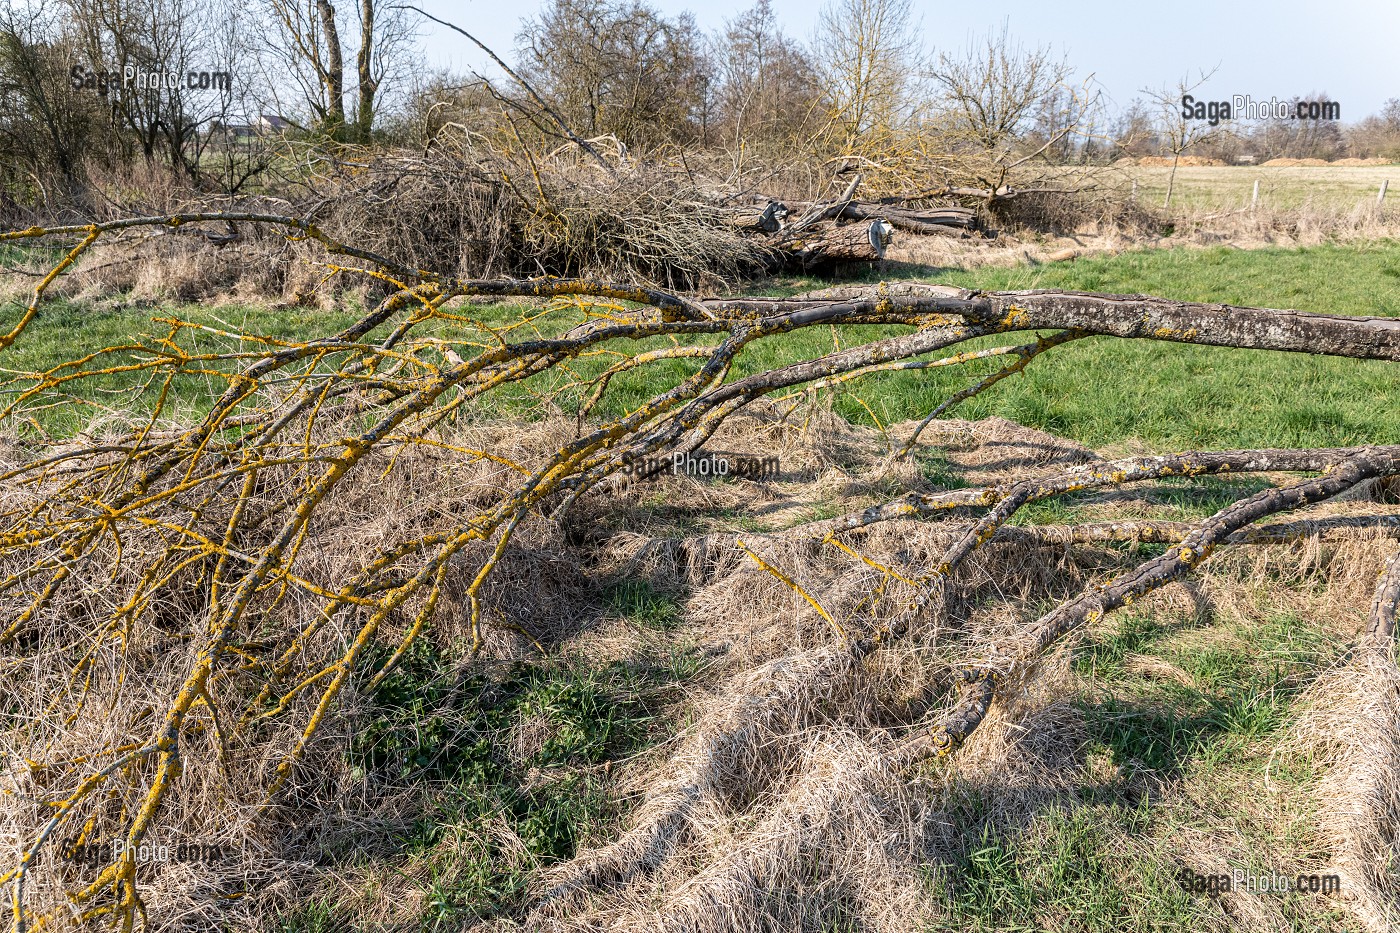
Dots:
(1096, 855)
(506, 767)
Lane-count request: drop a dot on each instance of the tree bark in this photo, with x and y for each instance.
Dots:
(333, 74)
(1386, 606)
(368, 85)
(1140, 316)
(764, 216)
(983, 683)
(936, 221)
(941, 221)
(826, 244)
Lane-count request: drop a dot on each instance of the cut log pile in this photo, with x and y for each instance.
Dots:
(808, 235)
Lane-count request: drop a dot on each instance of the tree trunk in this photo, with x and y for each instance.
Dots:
(368, 86)
(1130, 316)
(940, 221)
(827, 244)
(764, 216)
(333, 74)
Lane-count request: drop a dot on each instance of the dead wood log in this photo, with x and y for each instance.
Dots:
(1129, 316)
(984, 681)
(764, 216)
(809, 234)
(936, 221)
(1385, 609)
(827, 244)
(940, 221)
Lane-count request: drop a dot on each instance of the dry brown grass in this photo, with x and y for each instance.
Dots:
(785, 809)
(788, 805)
(1353, 726)
(539, 587)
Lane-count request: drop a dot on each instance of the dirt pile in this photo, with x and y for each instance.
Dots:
(1186, 160)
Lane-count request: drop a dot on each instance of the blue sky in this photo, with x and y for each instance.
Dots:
(1349, 49)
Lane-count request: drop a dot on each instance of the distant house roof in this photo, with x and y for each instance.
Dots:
(273, 122)
(235, 130)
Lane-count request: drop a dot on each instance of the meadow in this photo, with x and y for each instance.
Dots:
(1173, 732)
(1101, 391)
(1231, 187)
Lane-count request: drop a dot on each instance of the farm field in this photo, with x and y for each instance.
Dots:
(1230, 187)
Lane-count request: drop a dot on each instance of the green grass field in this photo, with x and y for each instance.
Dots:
(1099, 391)
(1183, 721)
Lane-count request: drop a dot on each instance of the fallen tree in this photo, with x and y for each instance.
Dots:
(808, 235)
(828, 244)
(203, 530)
(767, 215)
(938, 221)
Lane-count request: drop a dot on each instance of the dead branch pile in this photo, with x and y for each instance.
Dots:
(464, 208)
(467, 209)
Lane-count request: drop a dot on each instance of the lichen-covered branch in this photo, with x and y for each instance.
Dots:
(1005, 663)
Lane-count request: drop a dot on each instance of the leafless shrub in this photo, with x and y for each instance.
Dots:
(1100, 201)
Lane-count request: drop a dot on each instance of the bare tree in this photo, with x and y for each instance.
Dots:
(990, 93)
(1298, 134)
(869, 53)
(46, 123)
(619, 67)
(1134, 131)
(306, 47)
(1059, 114)
(150, 48)
(767, 87)
(1177, 131)
(112, 81)
(1004, 113)
(1377, 134)
(437, 100)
